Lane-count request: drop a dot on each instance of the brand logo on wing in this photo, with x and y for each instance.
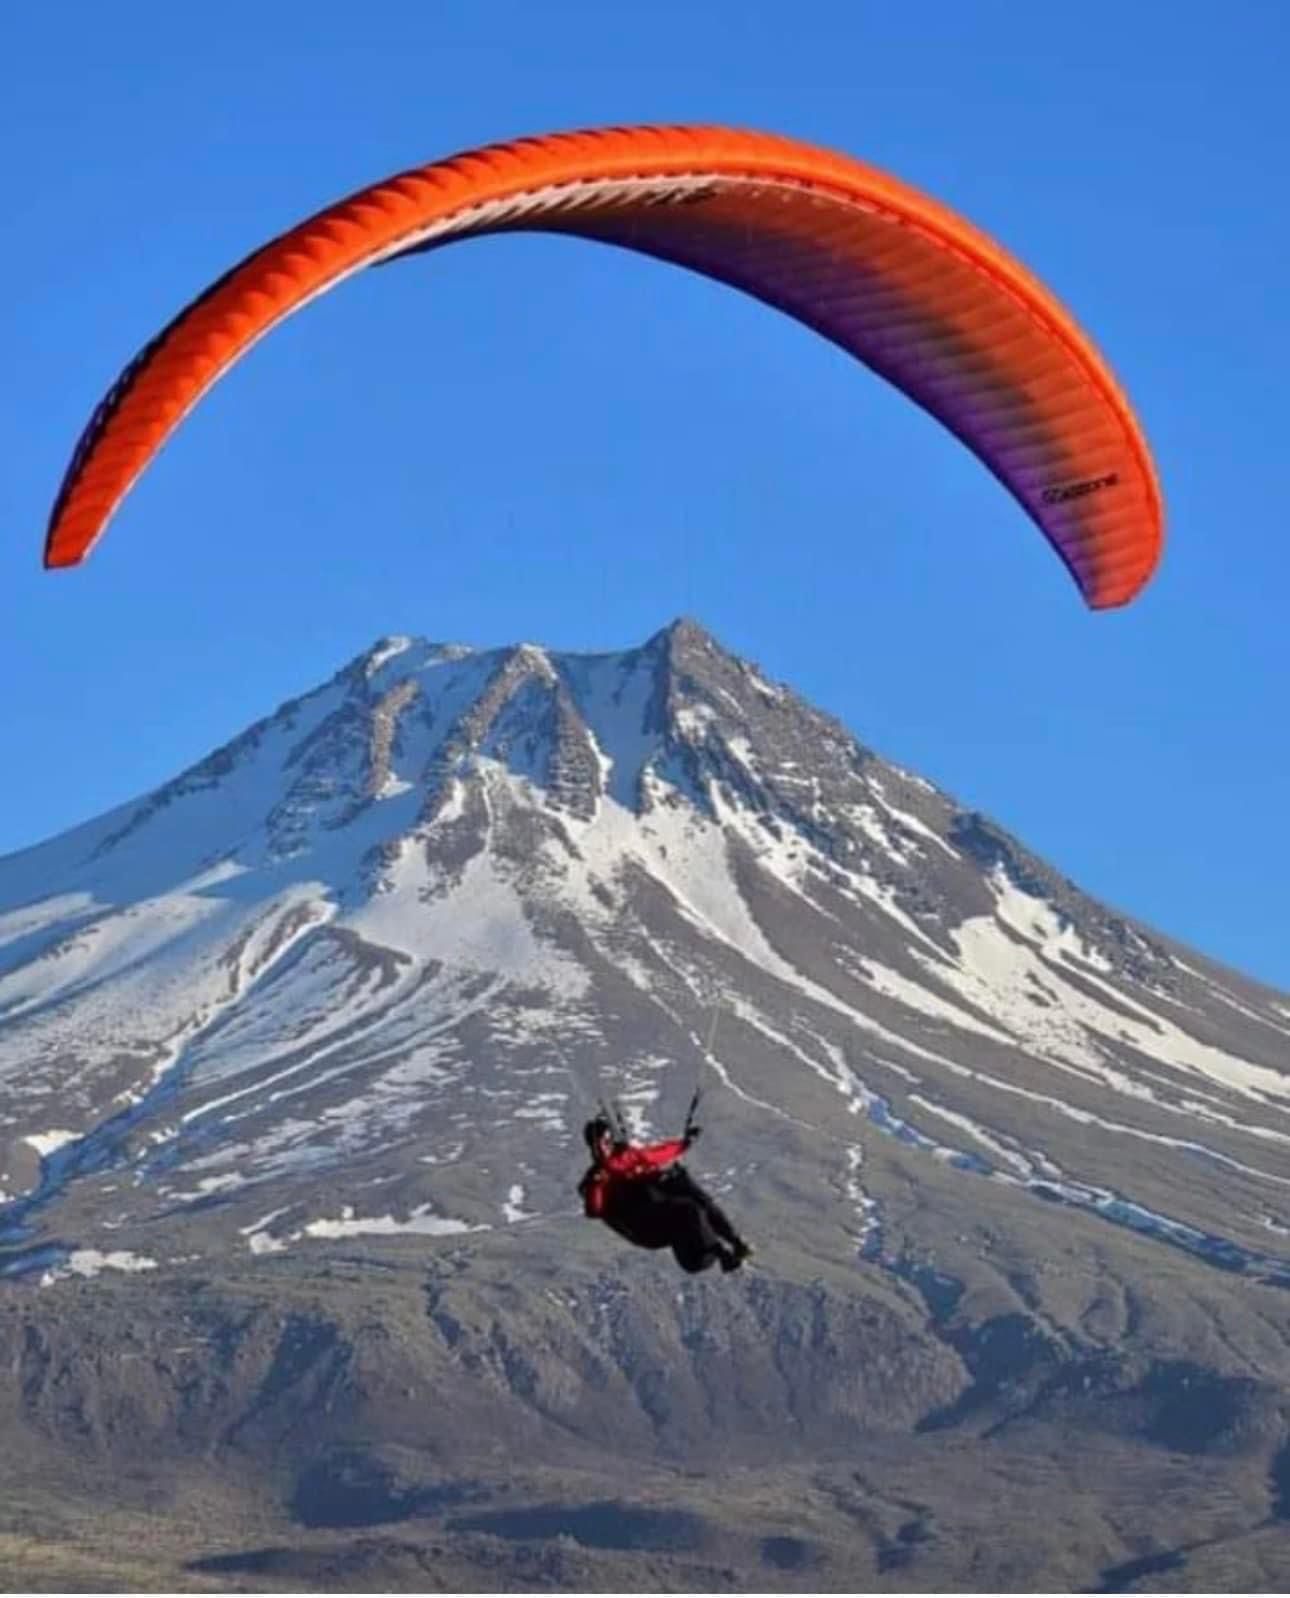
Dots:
(1089, 485)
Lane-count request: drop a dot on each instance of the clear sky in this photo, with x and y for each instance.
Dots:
(540, 439)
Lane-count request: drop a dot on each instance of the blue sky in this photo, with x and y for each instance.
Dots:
(538, 439)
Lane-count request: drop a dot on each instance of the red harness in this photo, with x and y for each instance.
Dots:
(627, 1164)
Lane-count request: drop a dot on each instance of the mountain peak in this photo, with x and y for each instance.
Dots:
(683, 632)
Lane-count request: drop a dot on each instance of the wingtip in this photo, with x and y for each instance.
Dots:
(56, 559)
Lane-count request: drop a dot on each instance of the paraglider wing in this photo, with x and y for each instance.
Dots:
(896, 279)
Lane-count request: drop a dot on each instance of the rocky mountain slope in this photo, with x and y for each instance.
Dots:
(294, 1055)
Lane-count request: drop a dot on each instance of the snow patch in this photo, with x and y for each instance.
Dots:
(216, 1184)
(419, 1220)
(866, 1208)
(47, 1143)
(910, 821)
(88, 1262)
(513, 1208)
(387, 650)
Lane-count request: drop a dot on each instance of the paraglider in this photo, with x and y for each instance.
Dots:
(898, 280)
(644, 1193)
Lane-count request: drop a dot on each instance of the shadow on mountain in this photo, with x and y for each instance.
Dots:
(897, 1554)
(1280, 1484)
(603, 1524)
(254, 1562)
(1190, 1410)
(787, 1553)
(1120, 1578)
(1010, 1361)
(355, 1567)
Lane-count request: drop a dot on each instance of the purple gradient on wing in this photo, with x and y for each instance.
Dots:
(956, 376)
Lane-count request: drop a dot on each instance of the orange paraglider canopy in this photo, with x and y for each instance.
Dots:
(896, 279)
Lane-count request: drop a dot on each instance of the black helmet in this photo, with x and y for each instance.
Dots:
(596, 1129)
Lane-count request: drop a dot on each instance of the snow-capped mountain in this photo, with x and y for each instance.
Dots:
(366, 968)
